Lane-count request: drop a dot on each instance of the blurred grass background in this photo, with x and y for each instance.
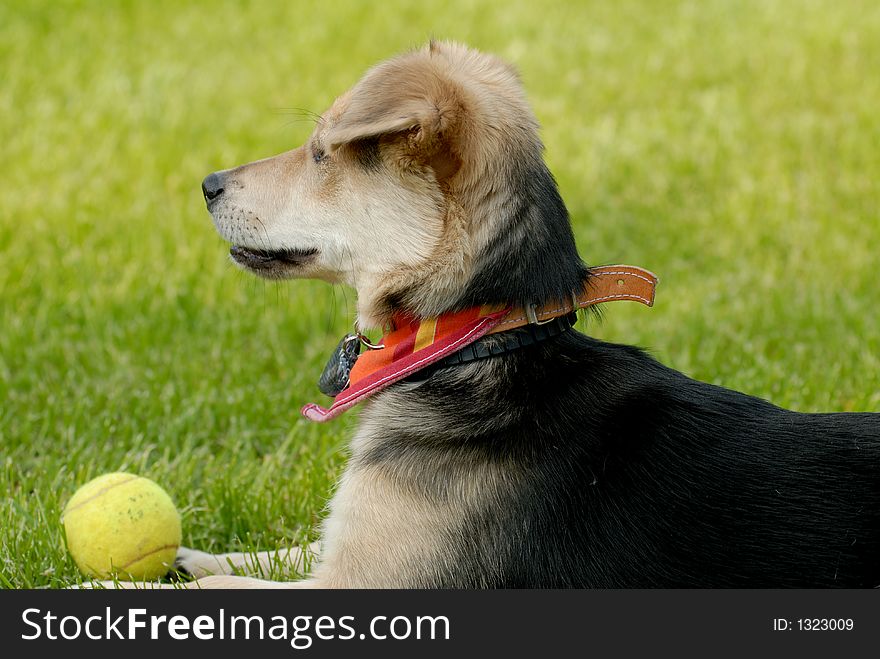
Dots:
(731, 147)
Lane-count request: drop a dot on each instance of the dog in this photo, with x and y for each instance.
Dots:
(561, 462)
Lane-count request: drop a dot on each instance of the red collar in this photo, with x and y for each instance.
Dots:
(415, 343)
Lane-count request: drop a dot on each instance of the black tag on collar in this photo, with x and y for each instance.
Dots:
(338, 369)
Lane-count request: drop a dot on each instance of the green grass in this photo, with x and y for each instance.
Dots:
(731, 147)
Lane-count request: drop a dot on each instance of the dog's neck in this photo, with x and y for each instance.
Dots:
(513, 247)
(426, 290)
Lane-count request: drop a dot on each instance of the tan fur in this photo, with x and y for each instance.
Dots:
(445, 122)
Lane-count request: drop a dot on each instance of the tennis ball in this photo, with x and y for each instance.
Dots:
(122, 524)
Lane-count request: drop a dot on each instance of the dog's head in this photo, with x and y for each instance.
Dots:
(423, 187)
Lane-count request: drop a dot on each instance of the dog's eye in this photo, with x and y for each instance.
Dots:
(318, 155)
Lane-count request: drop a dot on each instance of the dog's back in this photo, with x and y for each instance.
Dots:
(600, 467)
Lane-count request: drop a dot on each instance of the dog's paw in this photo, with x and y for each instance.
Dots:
(119, 585)
(91, 585)
(198, 564)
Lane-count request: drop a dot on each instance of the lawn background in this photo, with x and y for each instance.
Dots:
(731, 147)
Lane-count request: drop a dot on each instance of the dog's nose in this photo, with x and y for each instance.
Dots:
(212, 187)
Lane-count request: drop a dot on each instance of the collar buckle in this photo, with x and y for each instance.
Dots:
(533, 317)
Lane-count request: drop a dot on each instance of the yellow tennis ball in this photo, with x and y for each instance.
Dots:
(122, 524)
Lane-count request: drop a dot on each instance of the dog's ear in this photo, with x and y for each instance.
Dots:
(418, 111)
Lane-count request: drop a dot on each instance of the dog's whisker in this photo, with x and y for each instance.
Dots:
(304, 111)
(305, 115)
(265, 240)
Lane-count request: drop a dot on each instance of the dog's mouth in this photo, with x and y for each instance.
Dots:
(264, 261)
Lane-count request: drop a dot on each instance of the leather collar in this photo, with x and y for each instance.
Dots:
(501, 343)
(414, 344)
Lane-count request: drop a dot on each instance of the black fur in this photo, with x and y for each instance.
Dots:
(367, 153)
(621, 472)
(533, 258)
